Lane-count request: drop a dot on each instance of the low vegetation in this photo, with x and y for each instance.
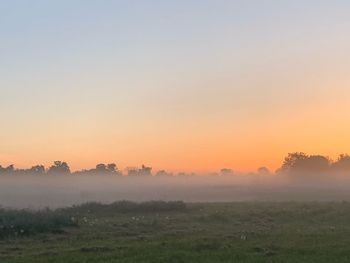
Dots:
(129, 207)
(177, 232)
(17, 223)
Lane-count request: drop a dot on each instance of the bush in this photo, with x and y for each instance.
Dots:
(27, 222)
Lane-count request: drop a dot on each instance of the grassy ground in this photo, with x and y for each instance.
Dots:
(220, 232)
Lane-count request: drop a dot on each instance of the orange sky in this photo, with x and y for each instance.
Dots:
(177, 86)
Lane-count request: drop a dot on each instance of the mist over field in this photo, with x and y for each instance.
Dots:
(301, 177)
(64, 190)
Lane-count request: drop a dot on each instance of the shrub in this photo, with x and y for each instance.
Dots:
(26, 222)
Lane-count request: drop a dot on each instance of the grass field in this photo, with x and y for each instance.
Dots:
(178, 232)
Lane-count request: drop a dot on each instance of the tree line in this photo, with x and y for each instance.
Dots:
(62, 168)
(294, 163)
(299, 162)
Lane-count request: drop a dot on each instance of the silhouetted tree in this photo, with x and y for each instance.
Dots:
(342, 163)
(7, 170)
(10, 169)
(163, 173)
(226, 171)
(263, 170)
(132, 171)
(293, 160)
(37, 169)
(81, 172)
(59, 168)
(300, 163)
(145, 171)
(317, 163)
(101, 168)
(112, 167)
(182, 174)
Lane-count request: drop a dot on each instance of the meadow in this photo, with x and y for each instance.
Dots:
(161, 231)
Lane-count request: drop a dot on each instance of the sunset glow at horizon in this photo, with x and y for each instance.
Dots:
(175, 85)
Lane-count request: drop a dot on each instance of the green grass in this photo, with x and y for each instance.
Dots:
(129, 207)
(178, 232)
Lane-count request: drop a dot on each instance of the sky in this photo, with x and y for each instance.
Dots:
(178, 85)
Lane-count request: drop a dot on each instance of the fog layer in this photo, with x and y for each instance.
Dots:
(64, 190)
